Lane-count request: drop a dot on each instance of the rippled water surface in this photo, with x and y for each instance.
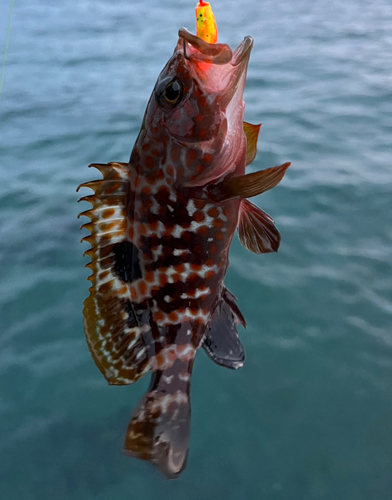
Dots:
(309, 415)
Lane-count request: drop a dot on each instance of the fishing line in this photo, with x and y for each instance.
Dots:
(7, 39)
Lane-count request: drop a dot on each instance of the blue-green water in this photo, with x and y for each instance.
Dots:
(309, 417)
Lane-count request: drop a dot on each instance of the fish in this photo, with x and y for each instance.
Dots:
(160, 229)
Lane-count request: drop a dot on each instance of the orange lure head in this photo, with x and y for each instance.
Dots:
(206, 28)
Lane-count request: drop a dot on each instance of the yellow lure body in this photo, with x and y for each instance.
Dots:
(205, 23)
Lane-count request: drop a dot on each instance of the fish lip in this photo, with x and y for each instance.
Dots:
(242, 52)
(218, 53)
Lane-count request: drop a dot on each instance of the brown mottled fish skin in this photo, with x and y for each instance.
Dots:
(161, 228)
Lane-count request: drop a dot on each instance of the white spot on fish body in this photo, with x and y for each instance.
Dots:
(191, 207)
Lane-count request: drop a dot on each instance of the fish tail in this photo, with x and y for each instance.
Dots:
(160, 425)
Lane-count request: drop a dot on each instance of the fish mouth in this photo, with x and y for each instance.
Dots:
(215, 53)
(220, 70)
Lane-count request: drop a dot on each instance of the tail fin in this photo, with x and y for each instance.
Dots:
(160, 425)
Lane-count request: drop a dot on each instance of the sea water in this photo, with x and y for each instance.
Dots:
(309, 415)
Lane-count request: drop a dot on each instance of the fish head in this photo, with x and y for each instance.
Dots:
(197, 108)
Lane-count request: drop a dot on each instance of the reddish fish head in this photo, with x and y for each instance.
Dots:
(197, 108)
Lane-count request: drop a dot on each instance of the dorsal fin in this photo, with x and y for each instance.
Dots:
(221, 341)
(113, 325)
(246, 186)
(257, 230)
(252, 133)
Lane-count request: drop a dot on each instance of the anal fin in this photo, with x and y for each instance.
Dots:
(221, 342)
(257, 230)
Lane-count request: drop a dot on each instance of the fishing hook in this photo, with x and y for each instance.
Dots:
(186, 57)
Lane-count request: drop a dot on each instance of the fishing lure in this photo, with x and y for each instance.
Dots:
(206, 28)
(161, 227)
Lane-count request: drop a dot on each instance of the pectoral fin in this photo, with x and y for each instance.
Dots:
(246, 186)
(252, 133)
(257, 230)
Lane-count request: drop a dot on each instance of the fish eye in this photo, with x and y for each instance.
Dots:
(170, 92)
(173, 92)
